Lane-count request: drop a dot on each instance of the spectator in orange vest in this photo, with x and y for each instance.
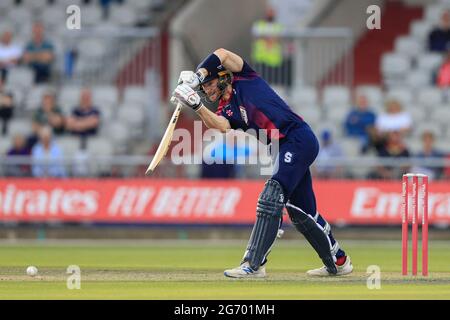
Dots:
(443, 76)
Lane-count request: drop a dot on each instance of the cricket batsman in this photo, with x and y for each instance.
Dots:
(246, 101)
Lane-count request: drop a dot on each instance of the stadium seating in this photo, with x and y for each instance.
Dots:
(20, 77)
(140, 4)
(107, 113)
(409, 46)
(5, 144)
(351, 147)
(418, 79)
(430, 96)
(373, 94)
(68, 2)
(55, 15)
(69, 144)
(133, 116)
(34, 97)
(311, 115)
(19, 126)
(305, 96)
(433, 13)
(420, 29)
(28, 96)
(69, 97)
(34, 5)
(336, 96)
(421, 127)
(441, 116)
(394, 67)
(5, 4)
(429, 62)
(118, 133)
(122, 15)
(443, 146)
(105, 95)
(337, 115)
(408, 72)
(135, 94)
(334, 127)
(92, 14)
(20, 16)
(403, 95)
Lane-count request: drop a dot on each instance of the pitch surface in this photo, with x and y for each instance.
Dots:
(194, 270)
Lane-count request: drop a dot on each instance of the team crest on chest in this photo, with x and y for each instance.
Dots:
(243, 114)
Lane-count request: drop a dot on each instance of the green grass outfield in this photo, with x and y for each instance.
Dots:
(194, 270)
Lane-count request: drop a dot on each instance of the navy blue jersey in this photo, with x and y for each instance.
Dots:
(80, 113)
(255, 105)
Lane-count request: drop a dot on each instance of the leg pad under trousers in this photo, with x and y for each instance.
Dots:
(314, 235)
(268, 217)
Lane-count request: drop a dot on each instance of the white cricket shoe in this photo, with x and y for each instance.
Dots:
(344, 269)
(245, 271)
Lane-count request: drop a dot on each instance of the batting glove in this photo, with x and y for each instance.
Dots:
(190, 78)
(187, 96)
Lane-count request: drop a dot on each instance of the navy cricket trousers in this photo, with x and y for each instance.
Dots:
(297, 152)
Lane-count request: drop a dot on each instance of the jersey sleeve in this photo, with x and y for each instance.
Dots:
(246, 72)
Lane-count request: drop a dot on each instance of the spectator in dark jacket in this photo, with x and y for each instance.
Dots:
(85, 118)
(6, 108)
(439, 37)
(39, 54)
(18, 149)
(429, 151)
(394, 147)
(49, 114)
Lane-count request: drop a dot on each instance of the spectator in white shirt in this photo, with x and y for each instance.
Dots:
(10, 53)
(394, 119)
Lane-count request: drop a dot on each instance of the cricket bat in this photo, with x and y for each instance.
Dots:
(166, 139)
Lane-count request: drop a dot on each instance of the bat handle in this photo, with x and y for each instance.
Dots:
(173, 100)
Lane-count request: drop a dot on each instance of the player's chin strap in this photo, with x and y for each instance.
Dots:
(225, 78)
(205, 97)
(268, 217)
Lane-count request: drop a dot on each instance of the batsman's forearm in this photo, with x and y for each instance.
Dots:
(229, 60)
(212, 120)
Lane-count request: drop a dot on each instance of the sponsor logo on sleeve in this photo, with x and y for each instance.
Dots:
(243, 114)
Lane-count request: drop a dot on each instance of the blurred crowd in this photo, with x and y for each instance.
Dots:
(48, 119)
(49, 112)
(38, 54)
(383, 135)
(374, 132)
(439, 41)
